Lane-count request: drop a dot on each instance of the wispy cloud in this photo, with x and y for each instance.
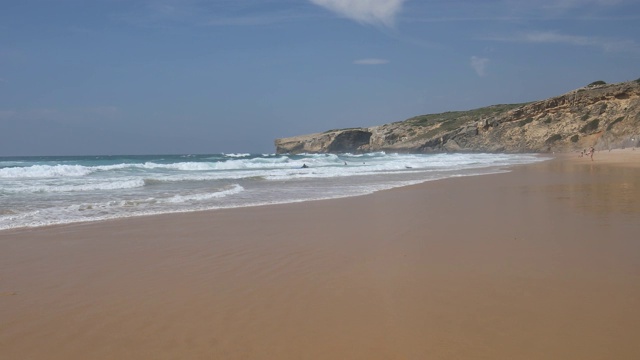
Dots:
(371, 61)
(269, 18)
(584, 10)
(158, 13)
(375, 12)
(7, 115)
(552, 37)
(519, 11)
(167, 13)
(570, 4)
(479, 64)
(69, 115)
(556, 6)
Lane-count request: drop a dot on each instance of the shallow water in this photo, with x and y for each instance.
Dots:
(39, 191)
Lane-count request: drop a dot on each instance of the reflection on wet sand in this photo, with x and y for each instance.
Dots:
(600, 188)
(537, 263)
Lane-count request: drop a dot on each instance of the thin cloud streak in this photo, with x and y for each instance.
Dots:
(373, 12)
(371, 61)
(77, 115)
(570, 4)
(515, 11)
(462, 19)
(256, 20)
(219, 13)
(551, 37)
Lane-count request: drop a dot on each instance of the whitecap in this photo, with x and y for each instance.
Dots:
(235, 189)
(45, 171)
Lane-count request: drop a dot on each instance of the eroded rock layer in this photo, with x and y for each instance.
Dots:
(601, 115)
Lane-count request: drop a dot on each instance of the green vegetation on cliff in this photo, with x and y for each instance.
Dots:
(600, 115)
(454, 119)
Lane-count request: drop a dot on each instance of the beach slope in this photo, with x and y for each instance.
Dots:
(538, 263)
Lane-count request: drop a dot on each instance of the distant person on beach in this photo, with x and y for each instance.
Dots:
(591, 151)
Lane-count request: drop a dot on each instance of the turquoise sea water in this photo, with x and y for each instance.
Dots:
(40, 191)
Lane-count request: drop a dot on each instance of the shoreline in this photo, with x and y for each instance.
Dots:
(539, 262)
(494, 169)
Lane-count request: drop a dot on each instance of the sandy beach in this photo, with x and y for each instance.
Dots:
(538, 263)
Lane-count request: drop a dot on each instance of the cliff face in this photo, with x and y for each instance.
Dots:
(603, 116)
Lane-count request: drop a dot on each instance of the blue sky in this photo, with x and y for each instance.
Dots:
(196, 76)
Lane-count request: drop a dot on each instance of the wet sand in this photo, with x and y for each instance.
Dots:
(539, 263)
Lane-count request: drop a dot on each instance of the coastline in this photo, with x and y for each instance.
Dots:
(54, 191)
(536, 263)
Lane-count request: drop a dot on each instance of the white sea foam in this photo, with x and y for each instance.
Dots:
(235, 189)
(44, 171)
(43, 191)
(74, 187)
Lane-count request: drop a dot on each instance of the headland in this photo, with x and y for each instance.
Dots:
(605, 116)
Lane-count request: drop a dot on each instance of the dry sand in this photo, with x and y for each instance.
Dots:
(539, 263)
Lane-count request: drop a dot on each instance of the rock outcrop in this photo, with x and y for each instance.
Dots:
(601, 115)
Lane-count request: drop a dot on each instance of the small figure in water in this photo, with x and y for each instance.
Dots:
(304, 166)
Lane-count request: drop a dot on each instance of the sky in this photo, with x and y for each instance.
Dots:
(110, 77)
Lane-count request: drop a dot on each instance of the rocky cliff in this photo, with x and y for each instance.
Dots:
(601, 115)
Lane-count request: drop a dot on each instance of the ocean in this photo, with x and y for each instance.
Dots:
(41, 191)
